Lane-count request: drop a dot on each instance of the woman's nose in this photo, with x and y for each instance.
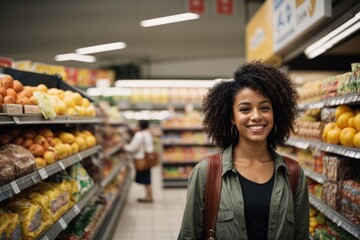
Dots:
(256, 115)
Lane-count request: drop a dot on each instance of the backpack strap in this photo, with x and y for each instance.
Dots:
(212, 195)
(294, 170)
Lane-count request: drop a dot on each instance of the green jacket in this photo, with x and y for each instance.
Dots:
(285, 220)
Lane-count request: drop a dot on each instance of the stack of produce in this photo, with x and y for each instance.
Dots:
(350, 203)
(346, 128)
(311, 91)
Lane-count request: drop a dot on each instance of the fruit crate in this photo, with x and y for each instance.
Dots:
(34, 79)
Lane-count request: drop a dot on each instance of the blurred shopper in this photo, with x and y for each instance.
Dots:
(142, 141)
(247, 118)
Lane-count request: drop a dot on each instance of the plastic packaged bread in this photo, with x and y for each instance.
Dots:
(6, 169)
(23, 159)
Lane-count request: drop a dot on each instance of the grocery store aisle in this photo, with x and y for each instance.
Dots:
(159, 220)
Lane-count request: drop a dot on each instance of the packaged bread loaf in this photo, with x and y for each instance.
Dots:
(24, 161)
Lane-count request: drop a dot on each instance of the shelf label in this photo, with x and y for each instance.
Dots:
(76, 209)
(357, 155)
(62, 165)
(80, 156)
(45, 237)
(15, 187)
(43, 174)
(62, 223)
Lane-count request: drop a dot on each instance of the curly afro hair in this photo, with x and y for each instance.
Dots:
(217, 106)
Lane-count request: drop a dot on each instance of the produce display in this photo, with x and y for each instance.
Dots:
(51, 102)
(41, 145)
(321, 228)
(185, 137)
(345, 130)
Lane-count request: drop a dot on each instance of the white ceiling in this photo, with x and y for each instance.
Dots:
(38, 30)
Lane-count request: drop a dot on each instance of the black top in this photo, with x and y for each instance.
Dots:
(257, 199)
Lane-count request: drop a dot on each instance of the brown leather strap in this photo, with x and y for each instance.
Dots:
(212, 195)
(294, 170)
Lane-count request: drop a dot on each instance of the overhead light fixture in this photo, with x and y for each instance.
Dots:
(332, 38)
(101, 48)
(169, 19)
(74, 57)
(172, 83)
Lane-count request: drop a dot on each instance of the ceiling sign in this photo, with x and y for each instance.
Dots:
(225, 7)
(292, 18)
(196, 6)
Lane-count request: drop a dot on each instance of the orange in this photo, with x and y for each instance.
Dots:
(351, 122)
(342, 121)
(342, 109)
(327, 128)
(333, 135)
(347, 137)
(357, 140)
(357, 122)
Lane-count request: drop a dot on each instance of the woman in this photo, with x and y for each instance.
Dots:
(140, 143)
(248, 118)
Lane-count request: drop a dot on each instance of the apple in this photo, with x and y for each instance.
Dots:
(50, 157)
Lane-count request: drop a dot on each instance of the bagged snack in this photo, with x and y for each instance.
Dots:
(6, 169)
(9, 225)
(42, 200)
(58, 199)
(64, 181)
(84, 181)
(31, 217)
(24, 161)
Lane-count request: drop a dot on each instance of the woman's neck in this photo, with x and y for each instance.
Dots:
(245, 151)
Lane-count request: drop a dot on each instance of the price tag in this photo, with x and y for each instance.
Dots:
(15, 187)
(352, 154)
(76, 209)
(80, 157)
(62, 223)
(354, 98)
(61, 165)
(333, 102)
(45, 237)
(43, 174)
(357, 155)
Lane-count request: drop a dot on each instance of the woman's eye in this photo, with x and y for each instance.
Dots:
(265, 109)
(244, 109)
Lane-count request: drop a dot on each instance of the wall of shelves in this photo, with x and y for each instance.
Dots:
(353, 153)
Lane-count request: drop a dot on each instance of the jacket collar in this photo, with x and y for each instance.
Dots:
(228, 164)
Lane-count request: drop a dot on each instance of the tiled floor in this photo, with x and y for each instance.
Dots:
(155, 221)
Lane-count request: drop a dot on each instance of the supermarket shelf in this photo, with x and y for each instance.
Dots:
(188, 145)
(117, 122)
(175, 183)
(108, 224)
(178, 164)
(65, 220)
(154, 106)
(5, 119)
(14, 187)
(114, 172)
(337, 149)
(111, 151)
(347, 99)
(22, 120)
(336, 217)
(172, 129)
(315, 176)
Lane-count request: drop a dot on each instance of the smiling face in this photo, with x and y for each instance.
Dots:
(253, 116)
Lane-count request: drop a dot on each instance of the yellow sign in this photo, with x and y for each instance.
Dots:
(259, 36)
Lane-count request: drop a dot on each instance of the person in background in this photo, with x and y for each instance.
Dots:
(247, 118)
(142, 141)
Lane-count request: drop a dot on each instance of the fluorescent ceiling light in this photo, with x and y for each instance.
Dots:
(169, 19)
(332, 38)
(74, 57)
(173, 83)
(101, 48)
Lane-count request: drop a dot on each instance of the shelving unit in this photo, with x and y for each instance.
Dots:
(16, 186)
(335, 217)
(176, 181)
(354, 153)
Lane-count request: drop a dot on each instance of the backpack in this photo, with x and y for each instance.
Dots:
(213, 190)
